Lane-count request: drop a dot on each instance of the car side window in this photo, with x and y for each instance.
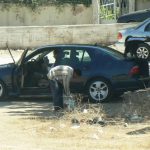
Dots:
(147, 28)
(86, 57)
(79, 54)
(35, 57)
(38, 56)
(73, 57)
(70, 57)
(50, 57)
(64, 55)
(83, 56)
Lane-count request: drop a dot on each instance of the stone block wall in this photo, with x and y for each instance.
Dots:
(33, 36)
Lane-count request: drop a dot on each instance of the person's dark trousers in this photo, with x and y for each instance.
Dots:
(57, 94)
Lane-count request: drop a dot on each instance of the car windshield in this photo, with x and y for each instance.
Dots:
(142, 23)
(25, 53)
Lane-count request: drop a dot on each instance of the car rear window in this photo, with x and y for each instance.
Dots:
(113, 52)
(142, 23)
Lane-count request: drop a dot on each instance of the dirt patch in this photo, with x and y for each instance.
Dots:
(136, 105)
(33, 125)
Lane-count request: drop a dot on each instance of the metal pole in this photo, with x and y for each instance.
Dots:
(115, 9)
(131, 6)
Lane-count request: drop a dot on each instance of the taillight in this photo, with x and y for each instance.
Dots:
(134, 71)
(119, 37)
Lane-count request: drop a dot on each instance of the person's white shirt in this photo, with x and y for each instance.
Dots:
(61, 73)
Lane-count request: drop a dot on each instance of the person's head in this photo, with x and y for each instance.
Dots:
(56, 53)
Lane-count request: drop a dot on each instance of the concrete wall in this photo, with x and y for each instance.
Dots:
(33, 36)
(49, 15)
(142, 4)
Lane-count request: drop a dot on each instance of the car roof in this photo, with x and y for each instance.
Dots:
(69, 45)
(104, 49)
(142, 23)
(137, 16)
(136, 12)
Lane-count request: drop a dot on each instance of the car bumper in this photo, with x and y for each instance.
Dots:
(119, 46)
(131, 84)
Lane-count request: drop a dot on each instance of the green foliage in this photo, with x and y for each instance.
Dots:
(35, 3)
(85, 2)
(106, 13)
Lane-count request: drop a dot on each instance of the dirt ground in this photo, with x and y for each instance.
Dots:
(30, 124)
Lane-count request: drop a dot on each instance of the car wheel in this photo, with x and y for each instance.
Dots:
(2, 90)
(143, 51)
(99, 90)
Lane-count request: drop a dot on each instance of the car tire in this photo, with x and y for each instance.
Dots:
(2, 90)
(99, 90)
(143, 51)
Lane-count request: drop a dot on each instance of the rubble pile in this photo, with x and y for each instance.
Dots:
(136, 105)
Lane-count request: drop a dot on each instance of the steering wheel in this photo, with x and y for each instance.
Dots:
(33, 60)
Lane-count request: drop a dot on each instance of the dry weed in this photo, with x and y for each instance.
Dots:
(137, 103)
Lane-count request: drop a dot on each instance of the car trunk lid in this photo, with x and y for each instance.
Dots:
(140, 66)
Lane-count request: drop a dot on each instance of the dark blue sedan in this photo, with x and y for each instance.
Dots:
(99, 72)
(137, 16)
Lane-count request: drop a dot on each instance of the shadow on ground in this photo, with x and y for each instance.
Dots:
(42, 108)
(28, 108)
(140, 131)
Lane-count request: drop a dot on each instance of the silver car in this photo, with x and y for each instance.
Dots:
(140, 30)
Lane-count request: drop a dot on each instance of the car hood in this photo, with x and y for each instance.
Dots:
(6, 67)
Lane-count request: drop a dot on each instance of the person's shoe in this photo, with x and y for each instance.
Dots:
(56, 109)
